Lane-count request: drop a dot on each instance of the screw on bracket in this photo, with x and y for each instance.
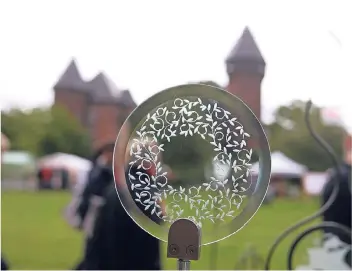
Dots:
(174, 249)
(191, 250)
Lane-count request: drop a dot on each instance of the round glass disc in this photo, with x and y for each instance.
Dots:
(187, 152)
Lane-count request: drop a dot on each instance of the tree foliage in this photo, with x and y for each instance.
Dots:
(290, 135)
(189, 156)
(44, 131)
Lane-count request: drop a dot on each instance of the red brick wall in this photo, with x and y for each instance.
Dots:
(247, 88)
(75, 102)
(101, 120)
(104, 124)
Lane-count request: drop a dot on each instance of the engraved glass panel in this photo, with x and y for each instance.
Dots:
(189, 155)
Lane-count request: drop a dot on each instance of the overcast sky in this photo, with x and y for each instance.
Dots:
(147, 46)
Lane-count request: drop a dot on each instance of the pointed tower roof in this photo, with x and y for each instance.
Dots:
(101, 87)
(246, 49)
(70, 79)
(127, 99)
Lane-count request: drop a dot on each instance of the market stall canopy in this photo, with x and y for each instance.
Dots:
(282, 165)
(18, 158)
(64, 160)
(17, 165)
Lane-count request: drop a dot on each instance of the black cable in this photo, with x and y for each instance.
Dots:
(322, 226)
(327, 204)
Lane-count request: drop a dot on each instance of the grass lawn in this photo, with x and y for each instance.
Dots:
(35, 236)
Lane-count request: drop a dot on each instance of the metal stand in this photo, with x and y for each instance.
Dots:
(184, 243)
(183, 265)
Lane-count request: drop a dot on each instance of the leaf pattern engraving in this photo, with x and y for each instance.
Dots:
(216, 126)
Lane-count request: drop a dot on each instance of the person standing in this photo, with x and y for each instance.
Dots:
(340, 210)
(45, 178)
(118, 243)
(99, 179)
(5, 145)
(88, 197)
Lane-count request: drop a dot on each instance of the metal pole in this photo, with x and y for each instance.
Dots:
(183, 264)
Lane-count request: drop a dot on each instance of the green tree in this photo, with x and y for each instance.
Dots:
(64, 134)
(43, 131)
(24, 128)
(289, 134)
(189, 156)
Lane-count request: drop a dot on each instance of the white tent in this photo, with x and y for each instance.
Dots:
(282, 165)
(64, 160)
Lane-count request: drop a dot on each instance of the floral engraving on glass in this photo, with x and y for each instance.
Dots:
(214, 125)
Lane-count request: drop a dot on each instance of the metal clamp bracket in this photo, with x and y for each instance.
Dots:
(184, 242)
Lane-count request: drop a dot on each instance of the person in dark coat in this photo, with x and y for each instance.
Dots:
(5, 145)
(117, 242)
(92, 197)
(340, 210)
(99, 178)
(4, 265)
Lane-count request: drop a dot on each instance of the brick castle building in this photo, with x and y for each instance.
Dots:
(101, 107)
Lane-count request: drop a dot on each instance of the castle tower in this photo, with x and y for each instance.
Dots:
(245, 67)
(70, 93)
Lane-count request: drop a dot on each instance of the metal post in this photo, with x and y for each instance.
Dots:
(183, 265)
